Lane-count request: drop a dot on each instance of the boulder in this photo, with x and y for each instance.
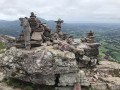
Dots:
(92, 51)
(99, 86)
(72, 78)
(8, 41)
(1, 76)
(39, 65)
(108, 65)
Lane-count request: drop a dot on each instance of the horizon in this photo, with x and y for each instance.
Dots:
(70, 22)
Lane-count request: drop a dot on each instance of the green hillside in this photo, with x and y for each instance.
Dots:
(107, 34)
(110, 46)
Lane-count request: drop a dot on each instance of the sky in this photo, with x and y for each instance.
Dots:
(102, 11)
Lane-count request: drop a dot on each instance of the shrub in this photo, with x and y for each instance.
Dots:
(27, 88)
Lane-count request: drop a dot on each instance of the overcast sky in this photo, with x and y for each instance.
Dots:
(68, 10)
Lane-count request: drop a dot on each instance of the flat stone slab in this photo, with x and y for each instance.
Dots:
(108, 64)
(114, 80)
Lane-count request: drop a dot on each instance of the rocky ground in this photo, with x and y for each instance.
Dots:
(48, 66)
(4, 86)
(105, 76)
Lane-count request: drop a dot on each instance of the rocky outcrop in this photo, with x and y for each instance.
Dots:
(105, 76)
(43, 65)
(60, 64)
(90, 54)
(92, 51)
(66, 67)
(7, 40)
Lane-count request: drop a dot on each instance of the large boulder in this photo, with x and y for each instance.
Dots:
(7, 40)
(41, 65)
(71, 78)
(92, 50)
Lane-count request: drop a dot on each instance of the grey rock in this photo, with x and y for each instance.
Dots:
(8, 41)
(67, 79)
(39, 65)
(82, 77)
(93, 62)
(113, 83)
(4, 86)
(99, 86)
(1, 76)
(72, 78)
(85, 60)
(113, 86)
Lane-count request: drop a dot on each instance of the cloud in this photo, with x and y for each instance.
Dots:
(69, 10)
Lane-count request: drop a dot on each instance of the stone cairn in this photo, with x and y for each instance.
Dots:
(58, 27)
(61, 35)
(36, 33)
(89, 38)
(91, 43)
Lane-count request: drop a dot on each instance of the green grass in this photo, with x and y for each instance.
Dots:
(19, 84)
(100, 56)
(116, 72)
(110, 46)
(116, 55)
(15, 83)
(103, 49)
(1, 47)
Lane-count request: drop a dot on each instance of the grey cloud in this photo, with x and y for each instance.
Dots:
(69, 10)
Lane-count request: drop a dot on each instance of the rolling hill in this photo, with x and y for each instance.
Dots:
(107, 34)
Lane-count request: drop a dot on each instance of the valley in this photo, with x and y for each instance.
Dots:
(107, 34)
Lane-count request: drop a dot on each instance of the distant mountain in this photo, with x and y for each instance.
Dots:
(13, 28)
(10, 27)
(107, 34)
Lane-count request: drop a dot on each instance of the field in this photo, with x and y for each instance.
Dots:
(110, 46)
(108, 35)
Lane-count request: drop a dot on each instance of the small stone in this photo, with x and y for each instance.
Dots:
(1, 76)
(95, 76)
